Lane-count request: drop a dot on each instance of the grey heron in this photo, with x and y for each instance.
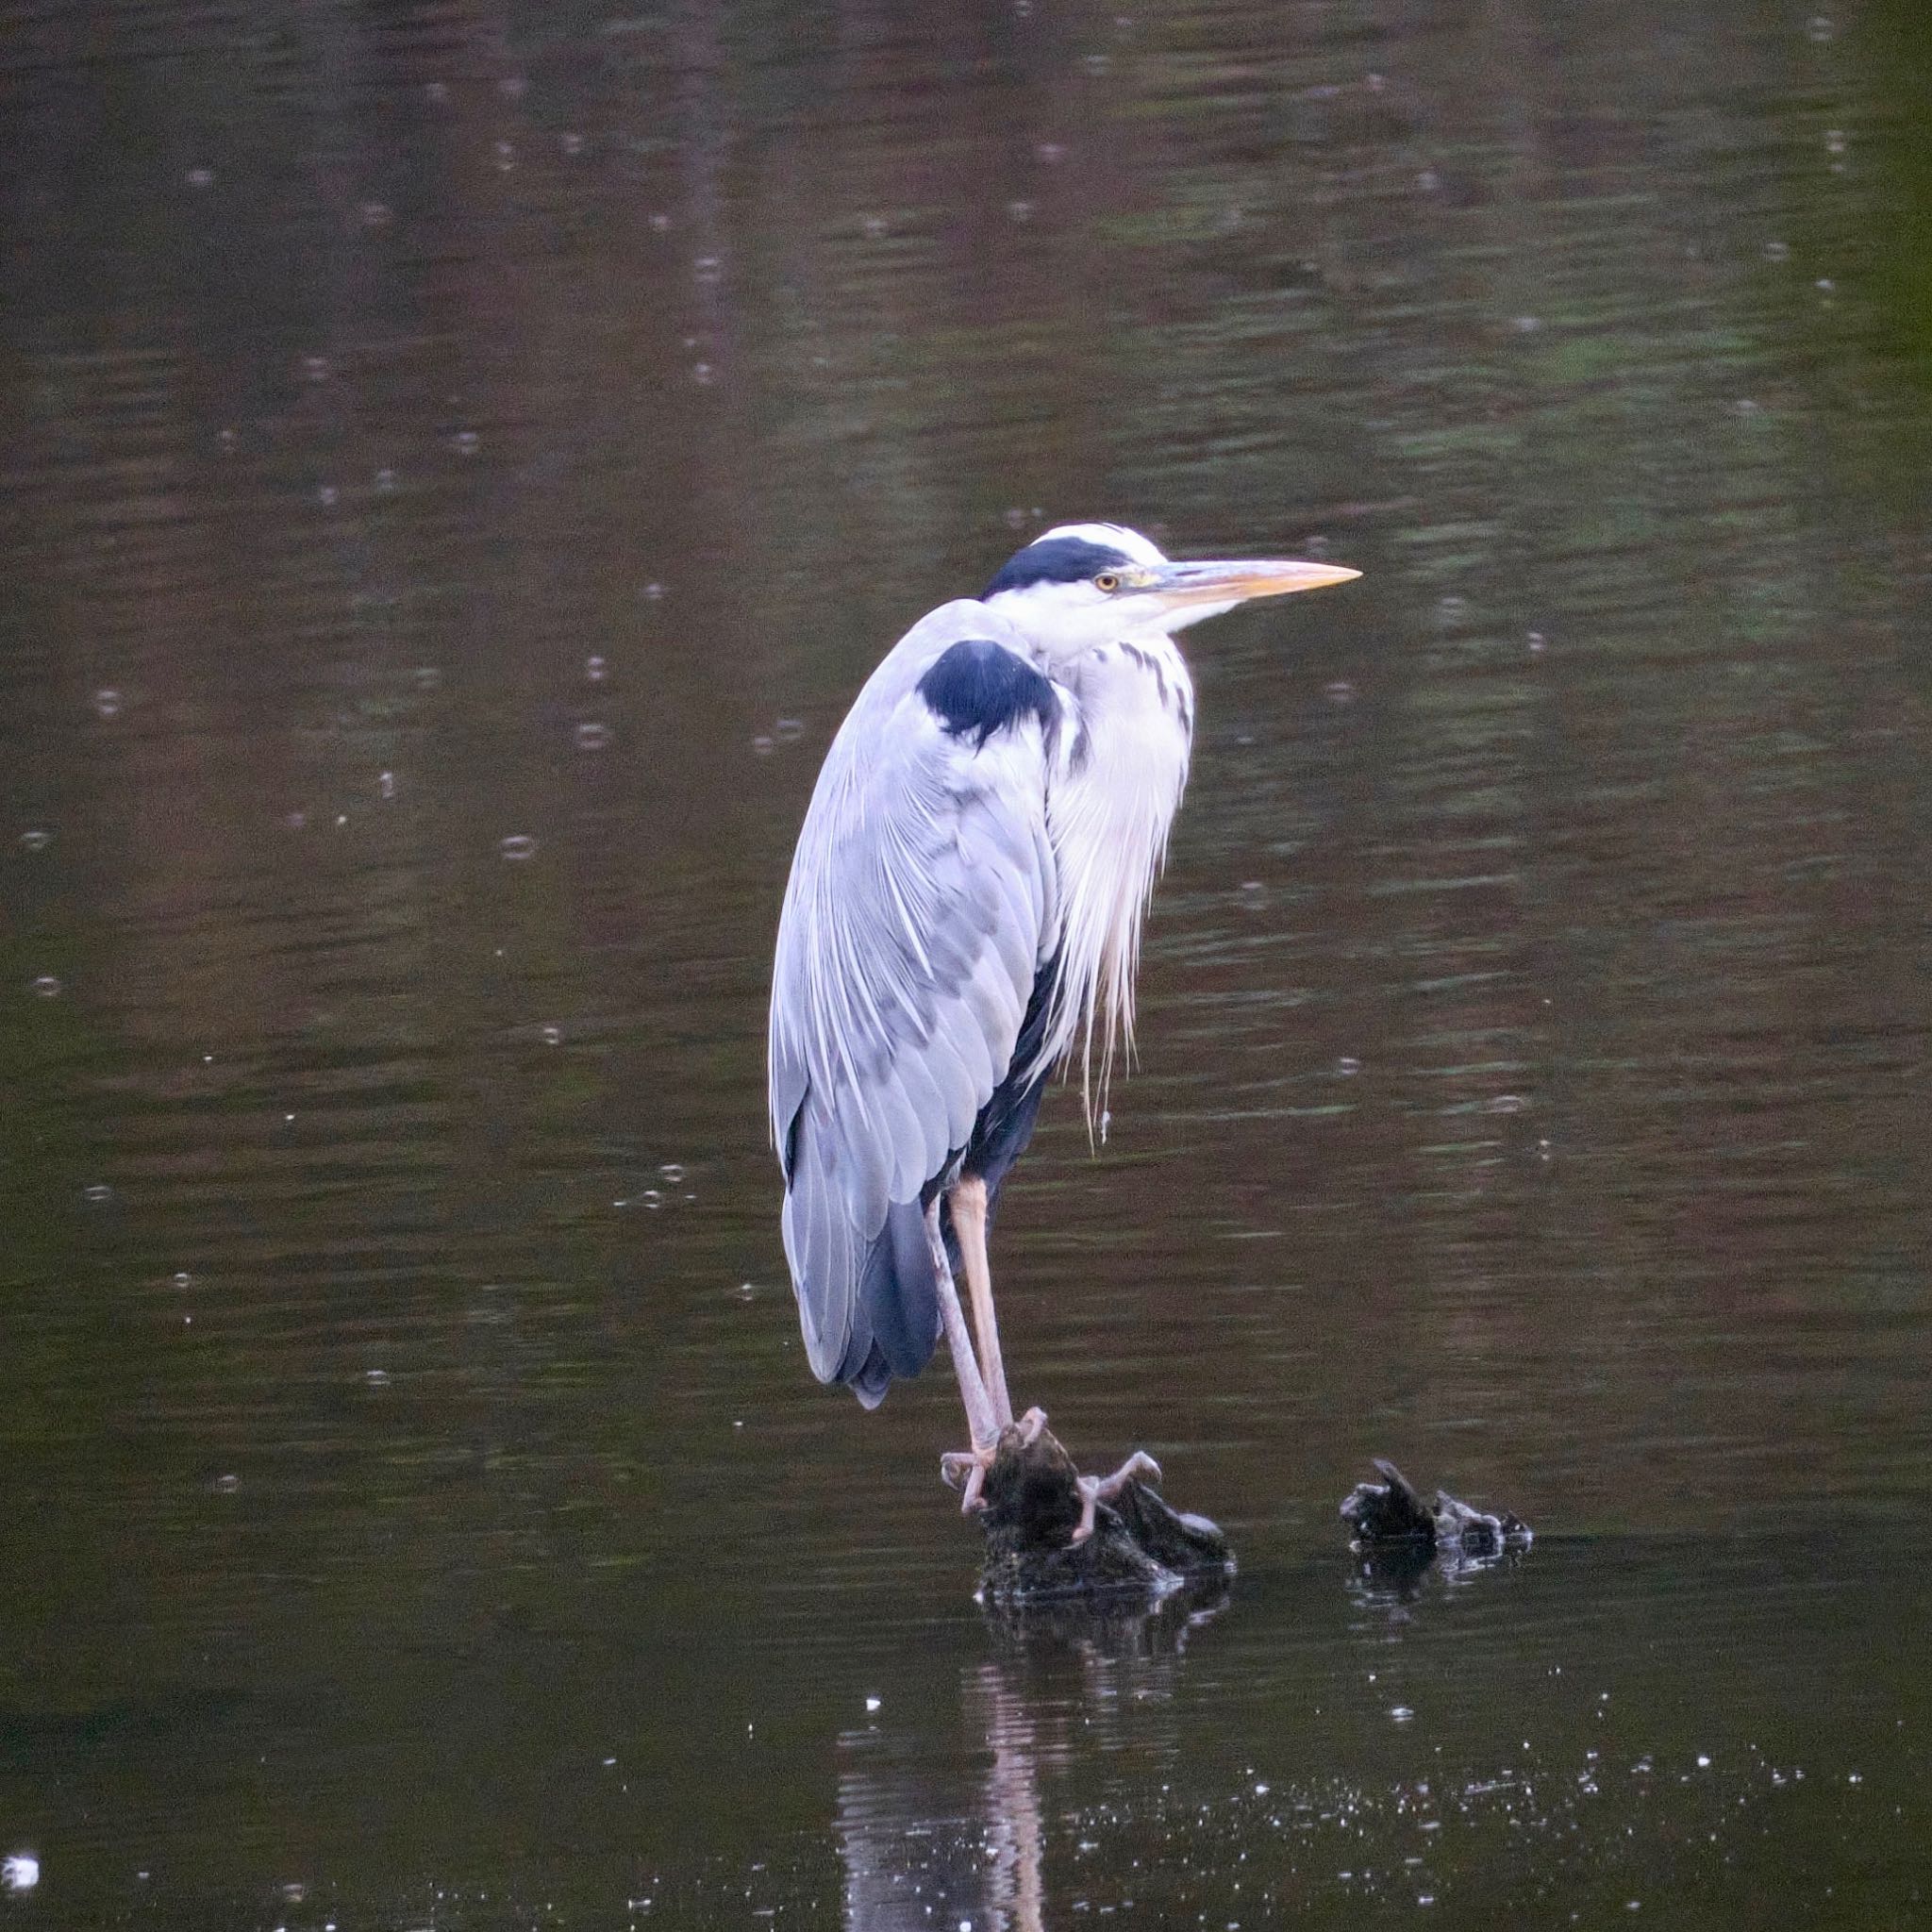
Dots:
(963, 915)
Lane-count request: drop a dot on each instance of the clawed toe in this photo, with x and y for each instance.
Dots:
(965, 1470)
(1095, 1489)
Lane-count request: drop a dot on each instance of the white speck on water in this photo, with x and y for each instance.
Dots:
(597, 670)
(1401, 1713)
(660, 223)
(1261, 1791)
(385, 480)
(377, 1379)
(35, 841)
(184, 1279)
(466, 443)
(519, 845)
(654, 593)
(703, 374)
(1825, 283)
(1339, 692)
(708, 268)
(427, 677)
(1348, 1067)
(1429, 181)
(201, 177)
(386, 785)
(1777, 251)
(1507, 1103)
(551, 1036)
(20, 1872)
(673, 1172)
(108, 703)
(1537, 643)
(46, 987)
(327, 496)
(377, 215)
(872, 1704)
(591, 736)
(98, 1192)
(788, 730)
(1020, 211)
(571, 143)
(1821, 27)
(762, 745)
(1703, 1762)
(227, 1485)
(316, 368)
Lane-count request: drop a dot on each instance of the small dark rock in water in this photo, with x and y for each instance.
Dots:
(1139, 1545)
(1390, 1520)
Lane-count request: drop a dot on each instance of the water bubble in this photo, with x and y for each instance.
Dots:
(97, 1193)
(789, 730)
(651, 1198)
(703, 374)
(35, 841)
(386, 785)
(506, 157)
(519, 845)
(296, 821)
(595, 668)
(551, 1036)
(226, 441)
(1526, 325)
(1507, 1103)
(762, 745)
(1429, 181)
(377, 215)
(225, 1485)
(1348, 1067)
(571, 143)
(654, 593)
(19, 1872)
(385, 480)
(873, 227)
(1537, 643)
(328, 495)
(184, 1279)
(872, 1704)
(1821, 27)
(708, 268)
(316, 368)
(1452, 609)
(438, 91)
(1339, 692)
(1702, 1760)
(377, 1379)
(1401, 1713)
(512, 87)
(1097, 63)
(1834, 140)
(1020, 211)
(660, 223)
(1051, 152)
(46, 987)
(1825, 283)
(1316, 546)
(108, 703)
(672, 1172)
(1745, 405)
(591, 736)
(1777, 251)
(746, 1291)
(426, 678)
(200, 178)
(466, 443)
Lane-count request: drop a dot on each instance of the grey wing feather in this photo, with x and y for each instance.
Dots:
(919, 909)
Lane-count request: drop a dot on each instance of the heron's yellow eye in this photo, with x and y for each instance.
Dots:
(1107, 580)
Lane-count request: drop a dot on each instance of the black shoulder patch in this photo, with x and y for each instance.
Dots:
(978, 687)
(1055, 561)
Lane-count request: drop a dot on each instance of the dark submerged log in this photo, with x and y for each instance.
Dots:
(1394, 1529)
(1139, 1545)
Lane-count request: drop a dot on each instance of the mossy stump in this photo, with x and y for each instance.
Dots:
(1139, 1545)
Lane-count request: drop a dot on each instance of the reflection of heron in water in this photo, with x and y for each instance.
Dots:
(917, 1855)
(963, 914)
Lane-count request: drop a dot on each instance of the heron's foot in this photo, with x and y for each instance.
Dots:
(965, 1469)
(1095, 1489)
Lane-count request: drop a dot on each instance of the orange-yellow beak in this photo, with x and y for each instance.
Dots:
(1185, 586)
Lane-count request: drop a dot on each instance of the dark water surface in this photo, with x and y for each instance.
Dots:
(459, 465)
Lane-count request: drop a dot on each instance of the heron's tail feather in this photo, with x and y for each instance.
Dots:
(870, 1310)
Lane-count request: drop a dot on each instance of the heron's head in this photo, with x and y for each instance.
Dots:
(1086, 584)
